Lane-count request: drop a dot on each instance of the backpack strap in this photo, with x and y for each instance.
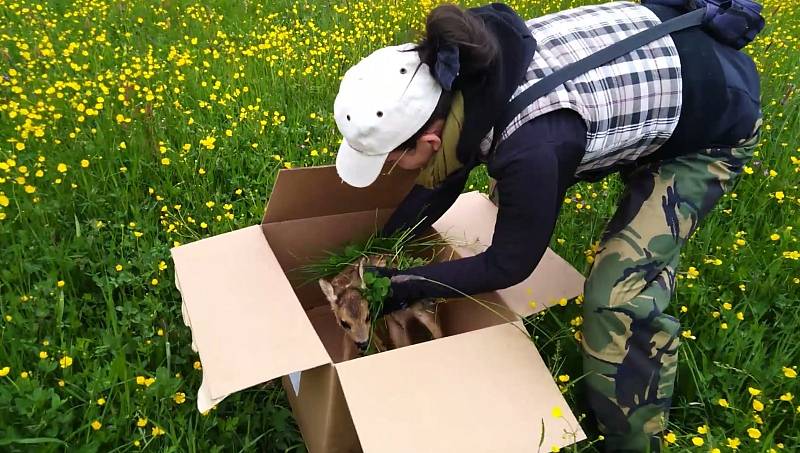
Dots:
(569, 72)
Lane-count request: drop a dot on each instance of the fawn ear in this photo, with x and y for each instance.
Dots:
(328, 291)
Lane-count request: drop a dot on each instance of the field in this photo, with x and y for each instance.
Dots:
(129, 127)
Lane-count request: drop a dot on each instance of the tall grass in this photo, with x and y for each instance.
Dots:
(130, 127)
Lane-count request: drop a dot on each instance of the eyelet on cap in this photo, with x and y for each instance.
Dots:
(380, 114)
(403, 70)
(348, 117)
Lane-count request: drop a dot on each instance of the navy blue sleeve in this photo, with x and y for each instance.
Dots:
(423, 206)
(533, 167)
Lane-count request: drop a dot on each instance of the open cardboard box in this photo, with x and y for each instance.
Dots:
(481, 388)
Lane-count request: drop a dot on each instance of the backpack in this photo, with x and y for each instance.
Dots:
(732, 22)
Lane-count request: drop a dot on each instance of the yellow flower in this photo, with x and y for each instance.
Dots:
(196, 365)
(556, 412)
(62, 168)
(101, 401)
(670, 438)
(779, 195)
(758, 405)
(154, 282)
(563, 378)
(179, 398)
(141, 422)
(65, 361)
(140, 380)
(727, 306)
(165, 161)
(84, 163)
(4, 371)
(96, 425)
(698, 441)
(754, 433)
(716, 450)
(4, 201)
(774, 236)
(734, 443)
(555, 449)
(118, 267)
(160, 332)
(149, 381)
(24, 375)
(20, 146)
(754, 391)
(702, 429)
(42, 354)
(60, 283)
(723, 402)
(60, 382)
(123, 145)
(692, 272)
(787, 396)
(562, 302)
(158, 431)
(740, 316)
(789, 372)
(688, 334)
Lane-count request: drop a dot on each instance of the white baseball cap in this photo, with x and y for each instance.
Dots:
(383, 100)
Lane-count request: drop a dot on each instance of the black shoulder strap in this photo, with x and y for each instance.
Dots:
(616, 50)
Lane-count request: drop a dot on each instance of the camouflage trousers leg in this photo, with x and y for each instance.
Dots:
(630, 345)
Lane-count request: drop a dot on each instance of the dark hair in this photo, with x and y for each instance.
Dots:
(477, 48)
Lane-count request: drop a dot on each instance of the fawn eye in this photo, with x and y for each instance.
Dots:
(346, 325)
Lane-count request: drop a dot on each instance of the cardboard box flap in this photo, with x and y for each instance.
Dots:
(319, 191)
(482, 391)
(469, 225)
(246, 321)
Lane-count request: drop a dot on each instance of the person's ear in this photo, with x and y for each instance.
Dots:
(433, 140)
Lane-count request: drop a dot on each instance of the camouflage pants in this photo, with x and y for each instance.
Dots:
(630, 344)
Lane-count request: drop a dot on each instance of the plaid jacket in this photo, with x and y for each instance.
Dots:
(631, 105)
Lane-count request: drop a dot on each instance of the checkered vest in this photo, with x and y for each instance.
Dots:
(630, 105)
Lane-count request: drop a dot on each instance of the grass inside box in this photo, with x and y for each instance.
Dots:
(454, 315)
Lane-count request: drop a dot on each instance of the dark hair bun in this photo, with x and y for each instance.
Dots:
(451, 24)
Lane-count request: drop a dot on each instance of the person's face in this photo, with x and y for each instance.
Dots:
(418, 156)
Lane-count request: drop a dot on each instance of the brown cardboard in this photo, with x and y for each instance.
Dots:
(251, 322)
(481, 391)
(243, 312)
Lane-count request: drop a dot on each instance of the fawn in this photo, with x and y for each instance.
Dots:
(353, 315)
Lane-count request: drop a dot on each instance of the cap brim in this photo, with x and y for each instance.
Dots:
(356, 168)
